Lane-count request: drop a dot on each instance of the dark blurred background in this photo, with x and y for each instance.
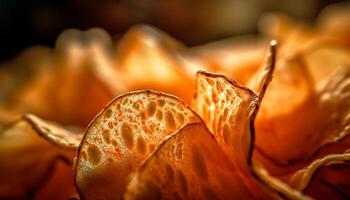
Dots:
(24, 23)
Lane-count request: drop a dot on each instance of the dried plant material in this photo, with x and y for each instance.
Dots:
(65, 80)
(149, 145)
(234, 135)
(229, 110)
(239, 58)
(326, 111)
(188, 165)
(291, 85)
(277, 185)
(54, 133)
(335, 97)
(161, 69)
(149, 58)
(225, 105)
(324, 57)
(121, 137)
(329, 174)
(30, 150)
(259, 82)
(307, 58)
(292, 36)
(93, 51)
(334, 100)
(106, 73)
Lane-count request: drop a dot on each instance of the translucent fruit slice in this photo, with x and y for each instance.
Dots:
(229, 110)
(188, 165)
(122, 136)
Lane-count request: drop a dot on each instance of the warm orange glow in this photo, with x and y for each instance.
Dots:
(149, 117)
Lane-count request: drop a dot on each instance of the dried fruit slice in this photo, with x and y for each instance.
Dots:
(188, 165)
(30, 149)
(325, 178)
(122, 136)
(229, 110)
(54, 133)
(226, 107)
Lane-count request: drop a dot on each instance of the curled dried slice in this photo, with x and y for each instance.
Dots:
(229, 110)
(31, 151)
(122, 136)
(54, 133)
(188, 165)
(325, 178)
(226, 107)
